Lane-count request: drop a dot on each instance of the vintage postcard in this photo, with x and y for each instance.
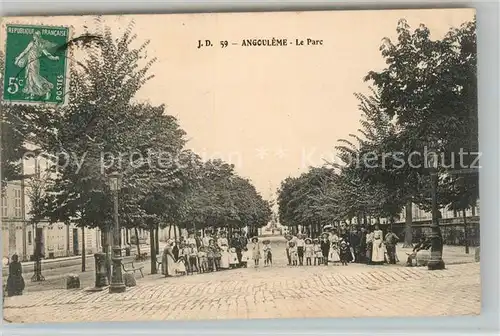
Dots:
(240, 166)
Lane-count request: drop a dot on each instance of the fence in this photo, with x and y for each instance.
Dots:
(452, 230)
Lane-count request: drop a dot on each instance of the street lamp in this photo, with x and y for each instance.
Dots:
(117, 285)
(436, 259)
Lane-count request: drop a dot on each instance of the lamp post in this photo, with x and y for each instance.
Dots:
(436, 259)
(117, 285)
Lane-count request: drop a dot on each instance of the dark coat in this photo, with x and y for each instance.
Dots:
(15, 281)
(325, 247)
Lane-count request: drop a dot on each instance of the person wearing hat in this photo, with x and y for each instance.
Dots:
(300, 248)
(378, 255)
(325, 247)
(334, 255)
(268, 255)
(255, 250)
(292, 247)
(391, 241)
(308, 251)
(288, 238)
(344, 252)
(237, 244)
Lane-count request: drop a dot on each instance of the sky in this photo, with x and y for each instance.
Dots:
(271, 111)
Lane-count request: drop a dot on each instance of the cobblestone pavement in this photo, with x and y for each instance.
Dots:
(273, 292)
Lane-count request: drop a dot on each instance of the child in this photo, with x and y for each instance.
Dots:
(233, 258)
(344, 252)
(255, 251)
(245, 257)
(217, 256)
(293, 253)
(318, 254)
(268, 256)
(203, 260)
(224, 257)
(184, 256)
(334, 255)
(211, 255)
(181, 265)
(193, 258)
(308, 251)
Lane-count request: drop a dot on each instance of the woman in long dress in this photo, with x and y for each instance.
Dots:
(378, 246)
(168, 264)
(15, 281)
(369, 245)
(35, 85)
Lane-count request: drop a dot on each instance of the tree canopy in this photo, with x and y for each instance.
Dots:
(424, 101)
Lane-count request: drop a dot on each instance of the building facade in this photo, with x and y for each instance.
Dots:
(57, 239)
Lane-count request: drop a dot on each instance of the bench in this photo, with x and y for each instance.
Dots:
(141, 256)
(130, 267)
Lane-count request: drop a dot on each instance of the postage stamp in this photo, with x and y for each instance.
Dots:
(36, 64)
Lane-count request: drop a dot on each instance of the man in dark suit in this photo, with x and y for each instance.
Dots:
(361, 246)
(236, 244)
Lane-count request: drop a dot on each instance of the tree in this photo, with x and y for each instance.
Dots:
(429, 88)
(89, 136)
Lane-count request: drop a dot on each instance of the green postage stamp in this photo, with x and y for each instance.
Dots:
(36, 64)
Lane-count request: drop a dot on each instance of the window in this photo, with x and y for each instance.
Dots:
(4, 206)
(17, 203)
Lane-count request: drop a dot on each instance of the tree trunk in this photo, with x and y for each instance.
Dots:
(127, 238)
(68, 253)
(107, 251)
(466, 234)
(157, 239)
(83, 249)
(175, 232)
(408, 224)
(137, 241)
(152, 242)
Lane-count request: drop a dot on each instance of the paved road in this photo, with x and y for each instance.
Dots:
(273, 292)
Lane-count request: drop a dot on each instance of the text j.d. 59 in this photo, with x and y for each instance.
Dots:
(206, 43)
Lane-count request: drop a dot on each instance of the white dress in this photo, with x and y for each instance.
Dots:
(233, 257)
(334, 249)
(378, 247)
(246, 256)
(225, 257)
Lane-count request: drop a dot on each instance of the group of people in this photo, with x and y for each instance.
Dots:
(213, 252)
(362, 245)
